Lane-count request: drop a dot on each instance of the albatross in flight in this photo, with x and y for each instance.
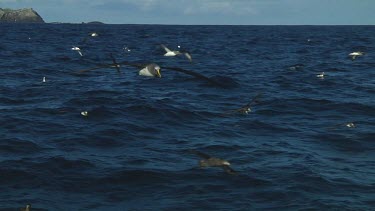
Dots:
(75, 48)
(246, 108)
(175, 53)
(209, 161)
(151, 70)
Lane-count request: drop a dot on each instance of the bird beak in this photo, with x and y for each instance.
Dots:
(158, 73)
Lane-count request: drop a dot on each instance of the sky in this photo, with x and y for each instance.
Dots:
(211, 12)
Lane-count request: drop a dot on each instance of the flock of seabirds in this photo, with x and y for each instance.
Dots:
(154, 70)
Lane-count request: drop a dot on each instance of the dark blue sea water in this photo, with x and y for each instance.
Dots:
(133, 150)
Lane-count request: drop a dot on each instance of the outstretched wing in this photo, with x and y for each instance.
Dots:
(165, 48)
(229, 170)
(140, 65)
(255, 100)
(188, 56)
(95, 68)
(200, 154)
(197, 75)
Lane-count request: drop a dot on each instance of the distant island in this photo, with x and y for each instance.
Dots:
(27, 15)
(93, 22)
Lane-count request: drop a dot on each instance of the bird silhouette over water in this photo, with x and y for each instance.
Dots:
(246, 108)
(209, 161)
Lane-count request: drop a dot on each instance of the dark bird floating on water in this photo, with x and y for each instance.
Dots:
(209, 161)
(175, 53)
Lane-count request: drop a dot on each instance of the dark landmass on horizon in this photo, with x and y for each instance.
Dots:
(27, 15)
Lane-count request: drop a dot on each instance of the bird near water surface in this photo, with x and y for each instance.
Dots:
(151, 70)
(209, 161)
(175, 53)
(355, 54)
(27, 208)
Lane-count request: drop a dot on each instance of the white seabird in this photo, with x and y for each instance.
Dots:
(321, 75)
(75, 48)
(175, 53)
(350, 124)
(355, 54)
(151, 70)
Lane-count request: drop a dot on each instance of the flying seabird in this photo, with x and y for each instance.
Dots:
(144, 71)
(346, 124)
(93, 34)
(320, 75)
(355, 54)
(27, 208)
(151, 70)
(175, 53)
(209, 161)
(84, 113)
(113, 65)
(350, 125)
(75, 48)
(246, 108)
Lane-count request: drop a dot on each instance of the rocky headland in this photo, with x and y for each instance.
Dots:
(20, 16)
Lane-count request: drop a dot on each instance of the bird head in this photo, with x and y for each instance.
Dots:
(157, 71)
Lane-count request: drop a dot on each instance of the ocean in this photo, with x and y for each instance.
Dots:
(308, 142)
